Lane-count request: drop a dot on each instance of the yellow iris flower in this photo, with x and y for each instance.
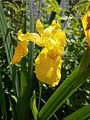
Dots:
(48, 62)
(22, 49)
(86, 25)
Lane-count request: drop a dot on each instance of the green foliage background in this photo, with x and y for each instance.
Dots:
(17, 16)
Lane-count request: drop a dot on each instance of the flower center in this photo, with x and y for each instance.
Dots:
(52, 53)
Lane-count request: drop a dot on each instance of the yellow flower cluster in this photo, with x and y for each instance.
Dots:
(86, 25)
(48, 62)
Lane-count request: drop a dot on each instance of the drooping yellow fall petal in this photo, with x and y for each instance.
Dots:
(86, 25)
(24, 48)
(34, 37)
(23, 37)
(48, 69)
(20, 51)
(39, 26)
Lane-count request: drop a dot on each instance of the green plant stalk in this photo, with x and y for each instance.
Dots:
(40, 93)
(2, 100)
(31, 48)
(80, 114)
(23, 81)
(66, 89)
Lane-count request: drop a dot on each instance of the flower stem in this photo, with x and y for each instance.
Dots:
(40, 93)
(30, 47)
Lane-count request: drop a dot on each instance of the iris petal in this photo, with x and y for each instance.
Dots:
(39, 26)
(48, 69)
(59, 37)
(20, 51)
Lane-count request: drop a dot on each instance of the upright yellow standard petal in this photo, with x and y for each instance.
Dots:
(59, 38)
(39, 26)
(51, 30)
(86, 25)
(48, 69)
(20, 51)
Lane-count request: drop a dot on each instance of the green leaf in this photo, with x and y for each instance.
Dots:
(80, 114)
(23, 83)
(33, 106)
(6, 37)
(64, 91)
(22, 106)
(15, 81)
(85, 61)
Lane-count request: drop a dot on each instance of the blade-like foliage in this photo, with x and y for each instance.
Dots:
(22, 107)
(81, 114)
(33, 106)
(8, 49)
(6, 36)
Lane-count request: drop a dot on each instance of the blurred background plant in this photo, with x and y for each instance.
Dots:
(68, 14)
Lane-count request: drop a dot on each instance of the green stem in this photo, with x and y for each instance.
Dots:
(23, 82)
(31, 48)
(40, 93)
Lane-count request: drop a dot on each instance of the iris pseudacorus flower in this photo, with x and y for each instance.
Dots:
(48, 62)
(86, 25)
